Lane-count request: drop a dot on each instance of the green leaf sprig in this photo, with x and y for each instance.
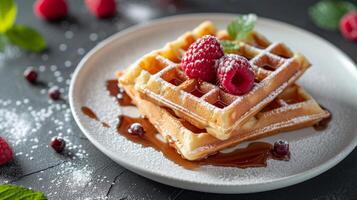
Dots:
(238, 30)
(327, 14)
(8, 192)
(17, 34)
(229, 46)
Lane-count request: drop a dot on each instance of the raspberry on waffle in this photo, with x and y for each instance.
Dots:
(291, 110)
(159, 78)
(234, 74)
(199, 60)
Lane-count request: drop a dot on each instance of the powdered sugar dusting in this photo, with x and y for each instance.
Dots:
(29, 120)
(309, 149)
(261, 94)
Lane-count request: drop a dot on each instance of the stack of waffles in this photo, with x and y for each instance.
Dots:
(198, 118)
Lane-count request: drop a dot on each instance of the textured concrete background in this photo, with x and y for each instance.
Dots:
(28, 120)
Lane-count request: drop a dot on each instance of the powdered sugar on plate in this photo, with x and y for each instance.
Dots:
(310, 149)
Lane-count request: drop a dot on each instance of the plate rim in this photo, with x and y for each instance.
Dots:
(209, 187)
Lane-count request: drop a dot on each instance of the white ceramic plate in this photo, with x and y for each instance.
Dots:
(332, 81)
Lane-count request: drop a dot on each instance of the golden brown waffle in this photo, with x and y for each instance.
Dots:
(158, 77)
(293, 109)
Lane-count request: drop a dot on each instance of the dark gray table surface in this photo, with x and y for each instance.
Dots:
(29, 120)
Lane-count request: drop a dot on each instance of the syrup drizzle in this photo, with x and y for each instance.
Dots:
(148, 139)
(268, 67)
(176, 81)
(91, 114)
(323, 124)
(185, 123)
(220, 104)
(197, 92)
(191, 127)
(120, 95)
(255, 154)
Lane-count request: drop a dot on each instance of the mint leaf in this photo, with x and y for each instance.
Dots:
(229, 46)
(26, 38)
(8, 12)
(8, 192)
(240, 27)
(327, 14)
(3, 42)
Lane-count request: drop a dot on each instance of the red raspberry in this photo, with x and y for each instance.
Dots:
(51, 9)
(281, 148)
(31, 75)
(5, 152)
(235, 75)
(348, 26)
(54, 93)
(199, 60)
(136, 129)
(58, 144)
(102, 8)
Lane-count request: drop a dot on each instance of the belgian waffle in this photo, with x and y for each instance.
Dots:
(158, 78)
(293, 109)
